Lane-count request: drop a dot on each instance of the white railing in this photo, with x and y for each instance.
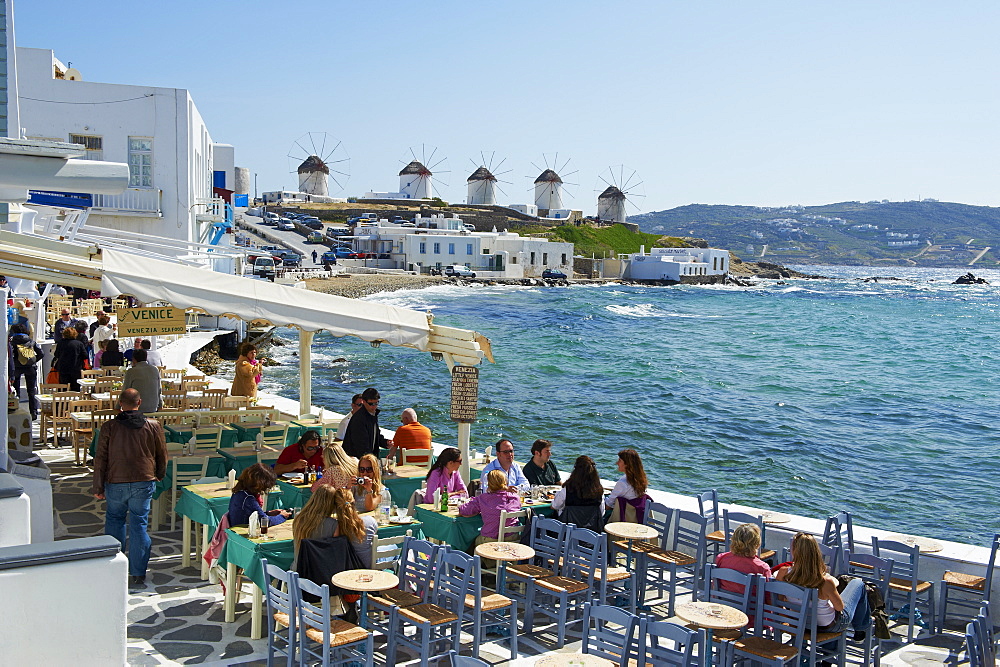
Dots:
(140, 200)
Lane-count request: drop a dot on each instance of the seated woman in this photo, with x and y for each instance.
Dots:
(835, 611)
(581, 498)
(248, 496)
(498, 497)
(627, 499)
(368, 494)
(339, 470)
(444, 475)
(315, 521)
(744, 546)
(359, 530)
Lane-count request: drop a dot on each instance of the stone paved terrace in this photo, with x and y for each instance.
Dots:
(178, 618)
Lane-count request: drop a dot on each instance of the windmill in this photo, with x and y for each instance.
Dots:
(317, 158)
(482, 184)
(549, 184)
(416, 178)
(617, 189)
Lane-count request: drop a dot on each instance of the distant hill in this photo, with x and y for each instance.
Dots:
(913, 233)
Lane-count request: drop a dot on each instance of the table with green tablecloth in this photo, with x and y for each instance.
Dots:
(204, 504)
(324, 426)
(240, 552)
(457, 531)
(401, 485)
(177, 433)
(241, 458)
(245, 432)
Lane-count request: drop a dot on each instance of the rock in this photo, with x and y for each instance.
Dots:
(970, 279)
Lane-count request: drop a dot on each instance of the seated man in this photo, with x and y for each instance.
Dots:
(505, 462)
(540, 470)
(308, 451)
(411, 435)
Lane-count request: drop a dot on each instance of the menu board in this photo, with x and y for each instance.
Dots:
(464, 393)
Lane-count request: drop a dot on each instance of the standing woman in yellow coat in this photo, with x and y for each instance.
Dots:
(248, 370)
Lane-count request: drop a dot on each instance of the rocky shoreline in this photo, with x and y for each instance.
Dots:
(358, 285)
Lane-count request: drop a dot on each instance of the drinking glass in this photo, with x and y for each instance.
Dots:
(401, 512)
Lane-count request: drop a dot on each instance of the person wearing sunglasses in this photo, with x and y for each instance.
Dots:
(368, 494)
(363, 435)
(505, 462)
(356, 404)
(308, 451)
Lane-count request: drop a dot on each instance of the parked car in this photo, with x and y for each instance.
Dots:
(459, 270)
(330, 257)
(343, 253)
(553, 274)
(407, 224)
(286, 226)
(315, 237)
(384, 255)
(312, 224)
(263, 267)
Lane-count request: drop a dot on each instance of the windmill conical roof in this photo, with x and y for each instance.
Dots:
(415, 168)
(612, 193)
(481, 174)
(548, 176)
(312, 164)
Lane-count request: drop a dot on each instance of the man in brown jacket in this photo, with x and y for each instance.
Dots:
(131, 456)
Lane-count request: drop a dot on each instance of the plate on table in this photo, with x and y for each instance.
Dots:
(293, 477)
(401, 519)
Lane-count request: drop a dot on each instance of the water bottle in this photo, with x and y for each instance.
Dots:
(385, 504)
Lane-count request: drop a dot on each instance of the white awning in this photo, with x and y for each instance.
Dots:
(116, 271)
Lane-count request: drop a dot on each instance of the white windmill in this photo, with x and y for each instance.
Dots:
(549, 184)
(618, 191)
(317, 158)
(416, 180)
(482, 184)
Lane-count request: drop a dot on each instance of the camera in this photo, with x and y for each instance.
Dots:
(360, 481)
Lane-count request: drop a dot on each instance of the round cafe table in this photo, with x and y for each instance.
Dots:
(712, 616)
(926, 544)
(364, 582)
(572, 660)
(774, 517)
(502, 552)
(629, 532)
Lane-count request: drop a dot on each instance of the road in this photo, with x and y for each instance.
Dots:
(291, 240)
(979, 256)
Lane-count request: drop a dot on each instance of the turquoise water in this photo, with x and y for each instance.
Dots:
(807, 397)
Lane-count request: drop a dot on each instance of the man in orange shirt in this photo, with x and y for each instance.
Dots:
(411, 435)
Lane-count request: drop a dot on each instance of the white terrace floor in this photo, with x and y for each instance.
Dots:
(178, 618)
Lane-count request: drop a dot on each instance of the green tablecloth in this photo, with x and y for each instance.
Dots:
(183, 434)
(209, 511)
(240, 462)
(216, 468)
(244, 433)
(246, 554)
(294, 496)
(401, 488)
(458, 531)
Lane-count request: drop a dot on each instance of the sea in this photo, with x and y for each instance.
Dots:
(803, 396)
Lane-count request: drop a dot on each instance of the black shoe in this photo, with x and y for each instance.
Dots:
(137, 582)
(859, 636)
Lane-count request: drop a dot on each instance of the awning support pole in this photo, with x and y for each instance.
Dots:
(464, 434)
(305, 371)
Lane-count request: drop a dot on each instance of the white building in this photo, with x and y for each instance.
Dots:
(482, 186)
(437, 242)
(548, 190)
(527, 209)
(289, 197)
(158, 132)
(611, 205)
(677, 263)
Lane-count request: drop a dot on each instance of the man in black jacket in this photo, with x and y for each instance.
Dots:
(25, 367)
(363, 433)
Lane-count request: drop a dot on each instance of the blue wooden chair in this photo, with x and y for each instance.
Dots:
(906, 584)
(457, 660)
(733, 588)
(657, 516)
(438, 621)
(708, 507)
(548, 539)
(832, 558)
(572, 587)
(610, 633)
(839, 532)
(667, 644)
(281, 613)
(967, 591)
(877, 571)
(979, 646)
(677, 563)
(416, 575)
(331, 640)
(489, 611)
(781, 620)
(731, 519)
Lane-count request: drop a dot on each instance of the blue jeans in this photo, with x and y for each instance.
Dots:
(132, 499)
(856, 612)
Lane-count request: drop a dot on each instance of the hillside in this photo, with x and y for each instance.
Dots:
(914, 233)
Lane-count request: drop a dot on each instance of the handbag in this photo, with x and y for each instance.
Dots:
(86, 364)
(52, 377)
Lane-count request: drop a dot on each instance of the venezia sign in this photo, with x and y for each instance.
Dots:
(464, 393)
(150, 321)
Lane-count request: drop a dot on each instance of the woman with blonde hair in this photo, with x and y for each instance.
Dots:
(339, 470)
(744, 545)
(498, 497)
(368, 494)
(315, 521)
(359, 530)
(628, 494)
(835, 611)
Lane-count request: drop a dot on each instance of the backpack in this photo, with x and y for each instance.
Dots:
(26, 354)
(876, 606)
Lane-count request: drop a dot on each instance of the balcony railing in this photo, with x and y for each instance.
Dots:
(133, 200)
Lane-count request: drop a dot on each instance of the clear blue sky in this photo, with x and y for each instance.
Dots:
(761, 103)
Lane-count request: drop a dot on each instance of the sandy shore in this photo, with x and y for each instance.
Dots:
(356, 286)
